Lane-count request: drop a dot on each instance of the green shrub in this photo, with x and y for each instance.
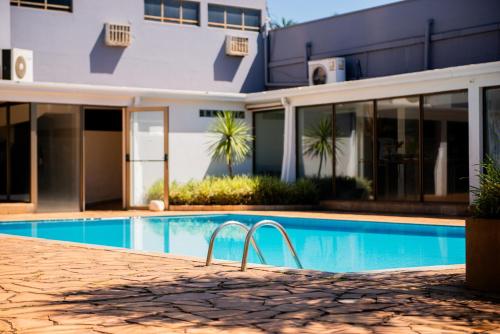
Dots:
(487, 202)
(156, 191)
(346, 187)
(240, 190)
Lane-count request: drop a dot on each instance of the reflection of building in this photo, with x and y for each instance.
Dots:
(100, 123)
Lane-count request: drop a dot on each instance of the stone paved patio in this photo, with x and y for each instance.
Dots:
(51, 287)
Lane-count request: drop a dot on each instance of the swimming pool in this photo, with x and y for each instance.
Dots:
(327, 245)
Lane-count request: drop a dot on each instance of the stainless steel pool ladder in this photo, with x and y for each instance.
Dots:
(249, 238)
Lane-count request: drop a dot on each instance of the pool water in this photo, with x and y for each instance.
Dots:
(327, 245)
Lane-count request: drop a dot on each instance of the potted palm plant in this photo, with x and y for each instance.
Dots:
(483, 231)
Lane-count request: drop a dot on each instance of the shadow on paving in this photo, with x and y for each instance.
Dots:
(260, 301)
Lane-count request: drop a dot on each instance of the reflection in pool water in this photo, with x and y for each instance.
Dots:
(328, 245)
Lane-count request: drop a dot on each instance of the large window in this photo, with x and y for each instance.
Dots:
(492, 123)
(62, 5)
(315, 142)
(398, 176)
(15, 153)
(172, 11)
(59, 152)
(354, 150)
(446, 147)
(269, 135)
(233, 18)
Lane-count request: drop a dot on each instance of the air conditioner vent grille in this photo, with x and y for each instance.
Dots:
(118, 35)
(237, 46)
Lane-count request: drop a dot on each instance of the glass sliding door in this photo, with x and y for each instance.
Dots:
(492, 123)
(269, 136)
(446, 147)
(315, 141)
(354, 150)
(147, 156)
(59, 155)
(398, 176)
(15, 137)
(3, 153)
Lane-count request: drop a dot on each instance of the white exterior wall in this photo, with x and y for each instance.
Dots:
(189, 140)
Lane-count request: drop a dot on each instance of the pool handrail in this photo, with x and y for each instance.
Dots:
(220, 228)
(285, 236)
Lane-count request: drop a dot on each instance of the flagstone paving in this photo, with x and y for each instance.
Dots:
(51, 287)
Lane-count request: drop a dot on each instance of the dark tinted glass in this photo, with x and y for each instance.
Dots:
(446, 147)
(492, 123)
(215, 14)
(190, 11)
(172, 9)
(354, 150)
(252, 18)
(20, 153)
(60, 2)
(234, 16)
(3, 153)
(152, 8)
(398, 149)
(269, 132)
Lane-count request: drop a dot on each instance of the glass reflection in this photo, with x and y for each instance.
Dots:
(269, 135)
(446, 148)
(398, 149)
(492, 123)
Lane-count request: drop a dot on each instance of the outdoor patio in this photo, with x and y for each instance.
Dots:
(52, 287)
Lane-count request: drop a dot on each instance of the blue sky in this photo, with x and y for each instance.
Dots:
(306, 10)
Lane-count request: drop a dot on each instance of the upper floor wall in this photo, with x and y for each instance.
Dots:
(4, 24)
(69, 47)
(407, 36)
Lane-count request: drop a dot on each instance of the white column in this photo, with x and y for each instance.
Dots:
(288, 168)
(475, 133)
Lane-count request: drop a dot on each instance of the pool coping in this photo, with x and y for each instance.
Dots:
(235, 264)
(375, 218)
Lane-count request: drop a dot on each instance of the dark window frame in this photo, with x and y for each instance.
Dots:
(375, 137)
(181, 20)
(226, 25)
(46, 5)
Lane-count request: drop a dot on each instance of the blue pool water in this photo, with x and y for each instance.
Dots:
(328, 245)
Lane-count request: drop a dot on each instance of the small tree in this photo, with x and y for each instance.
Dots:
(318, 141)
(487, 202)
(232, 140)
(282, 23)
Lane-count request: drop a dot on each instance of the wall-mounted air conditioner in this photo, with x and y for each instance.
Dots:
(17, 65)
(326, 71)
(118, 34)
(237, 46)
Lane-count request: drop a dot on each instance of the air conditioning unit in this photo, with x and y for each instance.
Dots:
(326, 71)
(17, 65)
(118, 35)
(236, 46)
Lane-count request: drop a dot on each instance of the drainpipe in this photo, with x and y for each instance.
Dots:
(427, 45)
(267, 82)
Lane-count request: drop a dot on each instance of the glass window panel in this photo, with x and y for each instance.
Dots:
(354, 150)
(315, 145)
(173, 9)
(20, 153)
(492, 124)
(252, 18)
(147, 136)
(190, 10)
(398, 149)
(3, 153)
(446, 148)
(152, 8)
(216, 14)
(143, 175)
(66, 3)
(59, 150)
(234, 16)
(269, 136)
